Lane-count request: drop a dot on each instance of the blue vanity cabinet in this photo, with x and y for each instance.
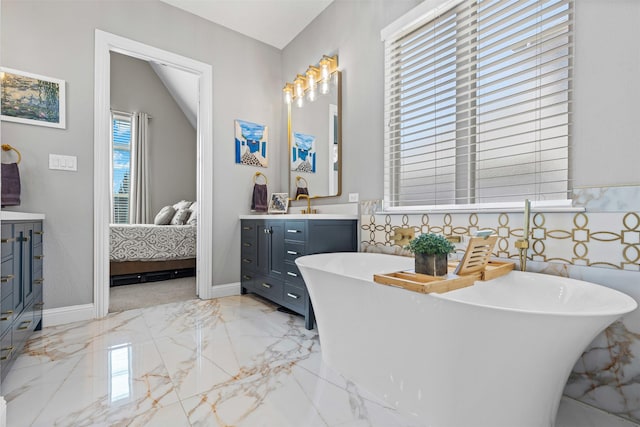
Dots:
(269, 248)
(21, 293)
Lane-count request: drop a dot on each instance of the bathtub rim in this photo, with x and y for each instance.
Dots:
(629, 306)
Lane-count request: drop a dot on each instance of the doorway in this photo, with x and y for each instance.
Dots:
(105, 43)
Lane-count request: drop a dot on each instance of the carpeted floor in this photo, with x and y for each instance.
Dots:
(127, 297)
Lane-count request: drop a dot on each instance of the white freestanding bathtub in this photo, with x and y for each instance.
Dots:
(494, 354)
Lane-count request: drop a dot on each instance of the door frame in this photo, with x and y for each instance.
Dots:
(105, 43)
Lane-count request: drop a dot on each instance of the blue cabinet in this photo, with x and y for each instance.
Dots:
(22, 279)
(269, 248)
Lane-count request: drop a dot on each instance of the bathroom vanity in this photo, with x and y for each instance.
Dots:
(271, 243)
(22, 282)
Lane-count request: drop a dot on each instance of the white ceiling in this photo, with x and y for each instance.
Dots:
(275, 22)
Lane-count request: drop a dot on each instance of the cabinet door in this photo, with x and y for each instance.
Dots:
(20, 233)
(27, 263)
(276, 248)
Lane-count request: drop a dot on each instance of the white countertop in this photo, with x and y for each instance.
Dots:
(299, 216)
(19, 216)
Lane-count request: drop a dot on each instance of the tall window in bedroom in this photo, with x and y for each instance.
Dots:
(120, 168)
(478, 104)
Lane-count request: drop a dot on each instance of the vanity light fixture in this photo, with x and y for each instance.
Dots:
(307, 84)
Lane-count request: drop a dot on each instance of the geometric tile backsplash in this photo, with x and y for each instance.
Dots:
(598, 239)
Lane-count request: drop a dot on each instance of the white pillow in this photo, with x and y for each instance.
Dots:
(193, 218)
(165, 215)
(180, 216)
(183, 204)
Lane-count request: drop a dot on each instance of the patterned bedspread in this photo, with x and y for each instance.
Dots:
(148, 242)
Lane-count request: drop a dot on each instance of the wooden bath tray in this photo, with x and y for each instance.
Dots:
(426, 284)
(474, 265)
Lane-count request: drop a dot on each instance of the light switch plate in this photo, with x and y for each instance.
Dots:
(64, 163)
(354, 197)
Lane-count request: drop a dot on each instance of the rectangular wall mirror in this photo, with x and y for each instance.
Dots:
(315, 138)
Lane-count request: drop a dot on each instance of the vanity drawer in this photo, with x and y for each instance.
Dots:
(248, 229)
(37, 234)
(7, 278)
(249, 247)
(268, 288)
(294, 297)
(38, 258)
(293, 250)
(248, 261)
(295, 230)
(6, 313)
(247, 280)
(292, 275)
(7, 240)
(7, 351)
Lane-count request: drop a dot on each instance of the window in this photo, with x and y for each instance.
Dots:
(120, 168)
(478, 104)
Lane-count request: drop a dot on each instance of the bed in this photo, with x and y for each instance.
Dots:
(144, 248)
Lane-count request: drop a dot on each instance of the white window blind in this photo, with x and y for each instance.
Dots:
(478, 105)
(120, 168)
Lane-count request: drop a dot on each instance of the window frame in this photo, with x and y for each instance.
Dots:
(422, 16)
(128, 117)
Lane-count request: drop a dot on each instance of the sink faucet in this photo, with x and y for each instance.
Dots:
(523, 244)
(308, 210)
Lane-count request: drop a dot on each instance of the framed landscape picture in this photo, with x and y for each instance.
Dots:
(32, 99)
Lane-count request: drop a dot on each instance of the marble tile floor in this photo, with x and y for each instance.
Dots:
(232, 361)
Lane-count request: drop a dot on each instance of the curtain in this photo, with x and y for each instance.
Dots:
(139, 212)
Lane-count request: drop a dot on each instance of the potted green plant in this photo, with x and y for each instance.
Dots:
(431, 252)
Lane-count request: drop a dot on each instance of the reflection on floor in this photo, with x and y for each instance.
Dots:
(233, 361)
(140, 295)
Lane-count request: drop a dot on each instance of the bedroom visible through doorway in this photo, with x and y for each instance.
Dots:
(153, 224)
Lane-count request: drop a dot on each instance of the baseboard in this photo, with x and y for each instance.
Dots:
(72, 313)
(225, 290)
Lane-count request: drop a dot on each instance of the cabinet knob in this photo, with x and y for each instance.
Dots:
(39, 233)
(5, 279)
(266, 285)
(292, 252)
(268, 231)
(38, 281)
(246, 260)
(294, 296)
(292, 274)
(38, 256)
(8, 240)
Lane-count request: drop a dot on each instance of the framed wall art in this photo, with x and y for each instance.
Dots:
(32, 99)
(279, 203)
(251, 143)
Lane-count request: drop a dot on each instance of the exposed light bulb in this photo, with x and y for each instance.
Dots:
(300, 101)
(312, 84)
(324, 87)
(288, 93)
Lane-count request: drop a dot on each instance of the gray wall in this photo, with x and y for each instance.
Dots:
(172, 139)
(607, 64)
(56, 38)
